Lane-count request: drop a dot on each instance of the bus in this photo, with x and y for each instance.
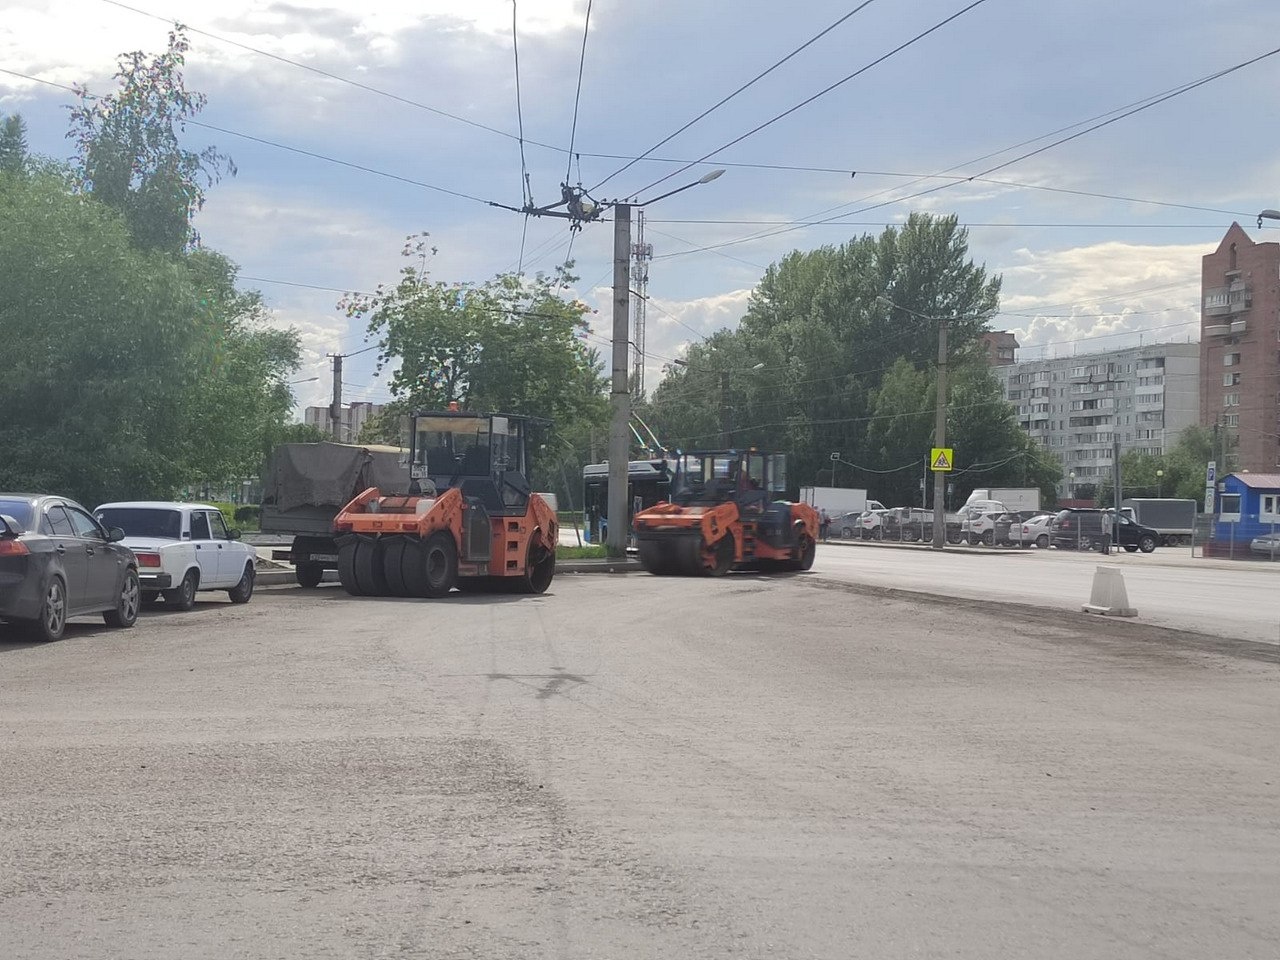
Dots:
(649, 482)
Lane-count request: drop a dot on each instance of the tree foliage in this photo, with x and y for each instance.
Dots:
(129, 152)
(512, 344)
(837, 354)
(13, 145)
(1183, 465)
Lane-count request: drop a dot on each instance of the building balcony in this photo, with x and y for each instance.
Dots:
(1224, 301)
(1238, 326)
(1217, 329)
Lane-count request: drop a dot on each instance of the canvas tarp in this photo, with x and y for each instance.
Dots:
(330, 474)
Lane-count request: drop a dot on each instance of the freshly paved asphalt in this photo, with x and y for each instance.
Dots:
(639, 767)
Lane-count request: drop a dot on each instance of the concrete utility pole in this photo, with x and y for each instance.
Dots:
(335, 408)
(940, 440)
(726, 415)
(620, 394)
(1115, 479)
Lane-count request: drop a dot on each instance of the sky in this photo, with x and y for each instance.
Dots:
(427, 104)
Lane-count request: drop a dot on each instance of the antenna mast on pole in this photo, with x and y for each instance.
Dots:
(641, 254)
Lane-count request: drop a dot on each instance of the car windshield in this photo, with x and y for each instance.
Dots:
(143, 521)
(19, 510)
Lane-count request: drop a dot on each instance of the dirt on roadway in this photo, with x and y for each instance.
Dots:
(638, 767)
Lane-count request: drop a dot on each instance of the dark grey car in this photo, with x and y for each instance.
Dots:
(57, 561)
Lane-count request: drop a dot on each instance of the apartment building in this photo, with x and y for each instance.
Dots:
(1240, 359)
(351, 420)
(1076, 406)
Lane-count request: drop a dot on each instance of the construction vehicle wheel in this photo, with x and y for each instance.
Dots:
(393, 566)
(655, 557)
(806, 551)
(539, 568)
(347, 568)
(369, 573)
(721, 557)
(431, 566)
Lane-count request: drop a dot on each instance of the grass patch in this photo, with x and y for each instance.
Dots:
(581, 553)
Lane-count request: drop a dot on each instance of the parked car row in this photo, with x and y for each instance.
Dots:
(59, 560)
(988, 524)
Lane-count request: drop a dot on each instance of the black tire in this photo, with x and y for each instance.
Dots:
(183, 596)
(125, 612)
(242, 592)
(989, 538)
(1146, 543)
(308, 574)
(431, 566)
(655, 557)
(369, 568)
(846, 533)
(1086, 543)
(877, 533)
(393, 566)
(1130, 548)
(539, 568)
(1042, 541)
(806, 551)
(52, 622)
(722, 556)
(347, 568)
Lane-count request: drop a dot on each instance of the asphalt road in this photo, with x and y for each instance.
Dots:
(1169, 587)
(638, 767)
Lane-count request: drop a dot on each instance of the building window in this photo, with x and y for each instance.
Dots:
(1231, 420)
(1231, 400)
(1230, 379)
(1229, 506)
(1231, 359)
(1270, 508)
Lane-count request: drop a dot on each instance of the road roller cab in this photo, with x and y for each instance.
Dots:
(726, 511)
(468, 518)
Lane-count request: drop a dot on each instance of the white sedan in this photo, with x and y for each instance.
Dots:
(1033, 531)
(182, 548)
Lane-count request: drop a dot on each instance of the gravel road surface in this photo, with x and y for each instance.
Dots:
(638, 767)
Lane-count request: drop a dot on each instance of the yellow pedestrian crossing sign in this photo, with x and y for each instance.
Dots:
(941, 459)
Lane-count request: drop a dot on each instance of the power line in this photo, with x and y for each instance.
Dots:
(281, 146)
(524, 170)
(720, 103)
(1124, 113)
(577, 97)
(861, 70)
(331, 76)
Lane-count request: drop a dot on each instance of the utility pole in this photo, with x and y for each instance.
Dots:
(641, 254)
(726, 415)
(940, 440)
(335, 408)
(1115, 480)
(620, 394)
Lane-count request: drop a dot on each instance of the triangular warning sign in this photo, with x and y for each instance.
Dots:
(940, 462)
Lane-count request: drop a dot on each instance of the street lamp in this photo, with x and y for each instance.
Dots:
(620, 392)
(1268, 214)
(1071, 485)
(1159, 484)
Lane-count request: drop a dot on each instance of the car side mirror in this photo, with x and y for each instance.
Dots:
(115, 535)
(233, 533)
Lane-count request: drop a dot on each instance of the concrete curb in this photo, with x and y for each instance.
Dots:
(949, 548)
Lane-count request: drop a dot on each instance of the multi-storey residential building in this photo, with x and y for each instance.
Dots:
(1077, 406)
(1240, 359)
(351, 420)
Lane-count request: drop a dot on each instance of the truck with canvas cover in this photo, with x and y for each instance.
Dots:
(468, 518)
(304, 487)
(723, 514)
(1174, 519)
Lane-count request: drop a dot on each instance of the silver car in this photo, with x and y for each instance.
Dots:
(1268, 545)
(1032, 532)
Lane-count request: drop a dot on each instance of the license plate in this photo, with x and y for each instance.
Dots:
(323, 557)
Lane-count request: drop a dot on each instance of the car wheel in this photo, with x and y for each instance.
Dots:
(125, 613)
(183, 596)
(52, 622)
(989, 538)
(1130, 548)
(846, 533)
(243, 591)
(1147, 543)
(1042, 541)
(806, 551)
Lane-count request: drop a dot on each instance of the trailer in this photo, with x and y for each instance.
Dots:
(304, 487)
(1174, 520)
(837, 501)
(1013, 499)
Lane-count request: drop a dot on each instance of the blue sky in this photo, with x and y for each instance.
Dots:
(1002, 73)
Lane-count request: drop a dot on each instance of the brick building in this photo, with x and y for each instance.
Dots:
(1001, 347)
(1240, 350)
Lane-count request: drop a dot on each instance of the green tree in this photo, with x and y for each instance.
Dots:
(1183, 466)
(511, 344)
(129, 154)
(13, 145)
(825, 328)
